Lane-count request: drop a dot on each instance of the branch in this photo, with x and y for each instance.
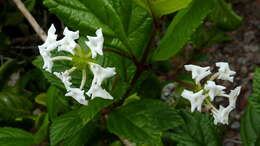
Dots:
(30, 19)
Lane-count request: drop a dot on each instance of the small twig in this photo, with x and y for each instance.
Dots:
(31, 20)
(126, 142)
(233, 141)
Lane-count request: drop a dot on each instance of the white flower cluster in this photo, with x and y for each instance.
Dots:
(68, 44)
(207, 92)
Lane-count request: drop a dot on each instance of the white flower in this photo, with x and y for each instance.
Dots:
(46, 48)
(98, 91)
(224, 71)
(221, 115)
(196, 99)
(65, 78)
(101, 73)
(214, 90)
(198, 73)
(233, 96)
(71, 34)
(78, 95)
(47, 60)
(50, 42)
(68, 43)
(96, 43)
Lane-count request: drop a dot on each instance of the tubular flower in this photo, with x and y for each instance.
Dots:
(78, 95)
(214, 90)
(96, 43)
(224, 71)
(47, 61)
(101, 73)
(209, 90)
(51, 40)
(65, 78)
(196, 99)
(98, 91)
(233, 96)
(198, 73)
(68, 44)
(221, 115)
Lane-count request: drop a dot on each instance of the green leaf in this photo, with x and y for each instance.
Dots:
(224, 16)
(65, 126)
(126, 26)
(256, 83)
(15, 137)
(88, 112)
(41, 99)
(197, 130)
(42, 133)
(13, 105)
(144, 4)
(250, 128)
(55, 102)
(164, 7)
(84, 135)
(208, 35)
(183, 25)
(71, 123)
(143, 121)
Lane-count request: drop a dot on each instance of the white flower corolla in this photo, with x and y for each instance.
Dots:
(71, 34)
(98, 91)
(47, 60)
(221, 115)
(198, 73)
(51, 40)
(224, 71)
(233, 96)
(214, 90)
(196, 99)
(68, 43)
(65, 78)
(96, 43)
(78, 95)
(46, 48)
(100, 73)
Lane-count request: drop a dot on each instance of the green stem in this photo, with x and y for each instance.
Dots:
(61, 58)
(209, 104)
(83, 80)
